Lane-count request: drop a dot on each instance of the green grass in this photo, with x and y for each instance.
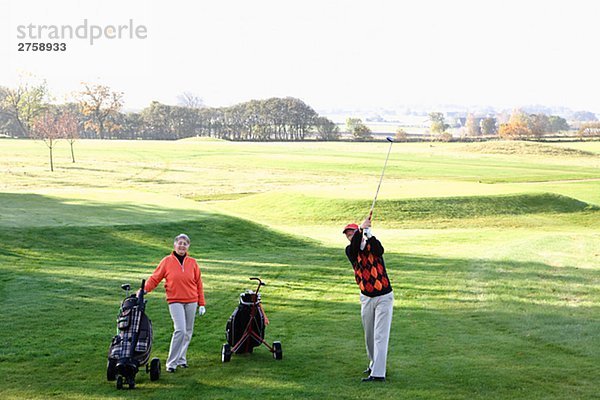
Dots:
(298, 209)
(493, 258)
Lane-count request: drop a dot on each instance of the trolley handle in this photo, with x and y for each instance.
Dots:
(260, 283)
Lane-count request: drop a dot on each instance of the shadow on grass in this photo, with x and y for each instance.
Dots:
(463, 328)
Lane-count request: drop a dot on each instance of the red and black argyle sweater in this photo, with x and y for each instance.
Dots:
(369, 267)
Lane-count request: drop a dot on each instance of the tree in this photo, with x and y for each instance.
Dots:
(557, 124)
(522, 125)
(24, 104)
(518, 126)
(101, 106)
(514, 131)
(351, 123)
(190, 100)
(438, 123)
(69, 128)
(358, 129)
(538, 124)
(156, 119)
(46, 127)
(362, 132)
(327, 129)
(69, 122)
(401, 135)
(130, 126)
(589, 130)
(300, 117)
(472, 126)
(8, 124)
(488, 126)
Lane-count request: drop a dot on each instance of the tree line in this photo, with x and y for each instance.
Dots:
(98, 112)
(519, 125)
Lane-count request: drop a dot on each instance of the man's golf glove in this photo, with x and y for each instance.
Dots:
(201, 310)
(367, 233)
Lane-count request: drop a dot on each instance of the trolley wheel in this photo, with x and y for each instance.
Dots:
(154, 369)
(119, 382)
(277, 351)
(226, 352)
(131, 383)
(111, 369)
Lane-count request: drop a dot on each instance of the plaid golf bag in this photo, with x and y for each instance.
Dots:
(130, 348)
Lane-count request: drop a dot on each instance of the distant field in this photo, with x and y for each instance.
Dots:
(493, 250)
(196, 168)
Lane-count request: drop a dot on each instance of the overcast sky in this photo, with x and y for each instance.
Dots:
(331, 54)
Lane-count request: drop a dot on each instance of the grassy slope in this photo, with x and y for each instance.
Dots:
(289, 208)
(500, 302)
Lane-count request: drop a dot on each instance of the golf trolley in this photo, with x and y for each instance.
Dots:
(245, 328)
(130, 347)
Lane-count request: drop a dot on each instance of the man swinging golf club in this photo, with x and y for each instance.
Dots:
(365, 253)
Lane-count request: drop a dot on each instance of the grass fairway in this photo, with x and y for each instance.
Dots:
(493, 253)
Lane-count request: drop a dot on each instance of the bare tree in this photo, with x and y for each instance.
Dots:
(589, 130)
(401, 135)
(189, 99)
(46, 128)
(472, 125)
(69, 127)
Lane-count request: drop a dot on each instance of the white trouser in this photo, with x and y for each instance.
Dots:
(183, 315)
(376, 313)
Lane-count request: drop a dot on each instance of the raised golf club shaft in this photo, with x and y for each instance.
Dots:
(389, 139)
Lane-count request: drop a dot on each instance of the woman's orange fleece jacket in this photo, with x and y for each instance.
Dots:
(183, 282)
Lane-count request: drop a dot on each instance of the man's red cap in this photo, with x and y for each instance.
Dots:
(350, 226)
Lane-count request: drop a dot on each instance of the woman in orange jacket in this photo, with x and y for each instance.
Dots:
(183, 285)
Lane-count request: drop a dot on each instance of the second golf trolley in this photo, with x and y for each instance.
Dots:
(130, 347)
(245, 328)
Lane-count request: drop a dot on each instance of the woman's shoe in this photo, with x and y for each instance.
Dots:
(374, 379)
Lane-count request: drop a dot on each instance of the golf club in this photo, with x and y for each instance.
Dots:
(391, 140)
